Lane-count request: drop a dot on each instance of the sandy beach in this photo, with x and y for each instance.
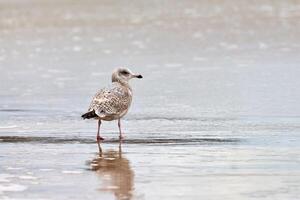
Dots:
(216, 116)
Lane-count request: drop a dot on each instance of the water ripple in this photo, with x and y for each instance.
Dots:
(57, 140)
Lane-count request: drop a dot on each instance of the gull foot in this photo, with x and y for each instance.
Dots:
(99, 138)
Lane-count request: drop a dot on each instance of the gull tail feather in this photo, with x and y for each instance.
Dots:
(89, 115)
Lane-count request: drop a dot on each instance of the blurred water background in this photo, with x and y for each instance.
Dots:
(217, 115)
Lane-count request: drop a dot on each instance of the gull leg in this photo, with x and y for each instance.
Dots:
(98, 133)
(120, 131)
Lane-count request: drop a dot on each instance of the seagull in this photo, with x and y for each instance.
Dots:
(113, 102)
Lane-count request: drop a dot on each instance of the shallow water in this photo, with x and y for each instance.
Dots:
(216, 116)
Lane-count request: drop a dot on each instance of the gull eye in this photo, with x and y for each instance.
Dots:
(124, 72)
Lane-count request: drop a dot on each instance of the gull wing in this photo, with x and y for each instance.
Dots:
(112, 100)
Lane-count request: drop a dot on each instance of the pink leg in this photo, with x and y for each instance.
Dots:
(98, 133)
(120, 131)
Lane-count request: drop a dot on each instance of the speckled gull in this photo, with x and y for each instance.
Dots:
(113, 102)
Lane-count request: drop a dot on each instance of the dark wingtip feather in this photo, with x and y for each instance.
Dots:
(89, 115)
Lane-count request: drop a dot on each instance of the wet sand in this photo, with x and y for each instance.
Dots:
(216, 116)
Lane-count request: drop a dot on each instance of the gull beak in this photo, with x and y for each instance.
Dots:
(138, 76)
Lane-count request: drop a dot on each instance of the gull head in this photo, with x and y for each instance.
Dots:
(123, 75)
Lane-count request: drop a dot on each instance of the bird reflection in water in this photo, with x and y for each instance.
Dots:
(115, 172)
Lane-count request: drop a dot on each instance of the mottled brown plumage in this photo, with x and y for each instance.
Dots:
(113, 102)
